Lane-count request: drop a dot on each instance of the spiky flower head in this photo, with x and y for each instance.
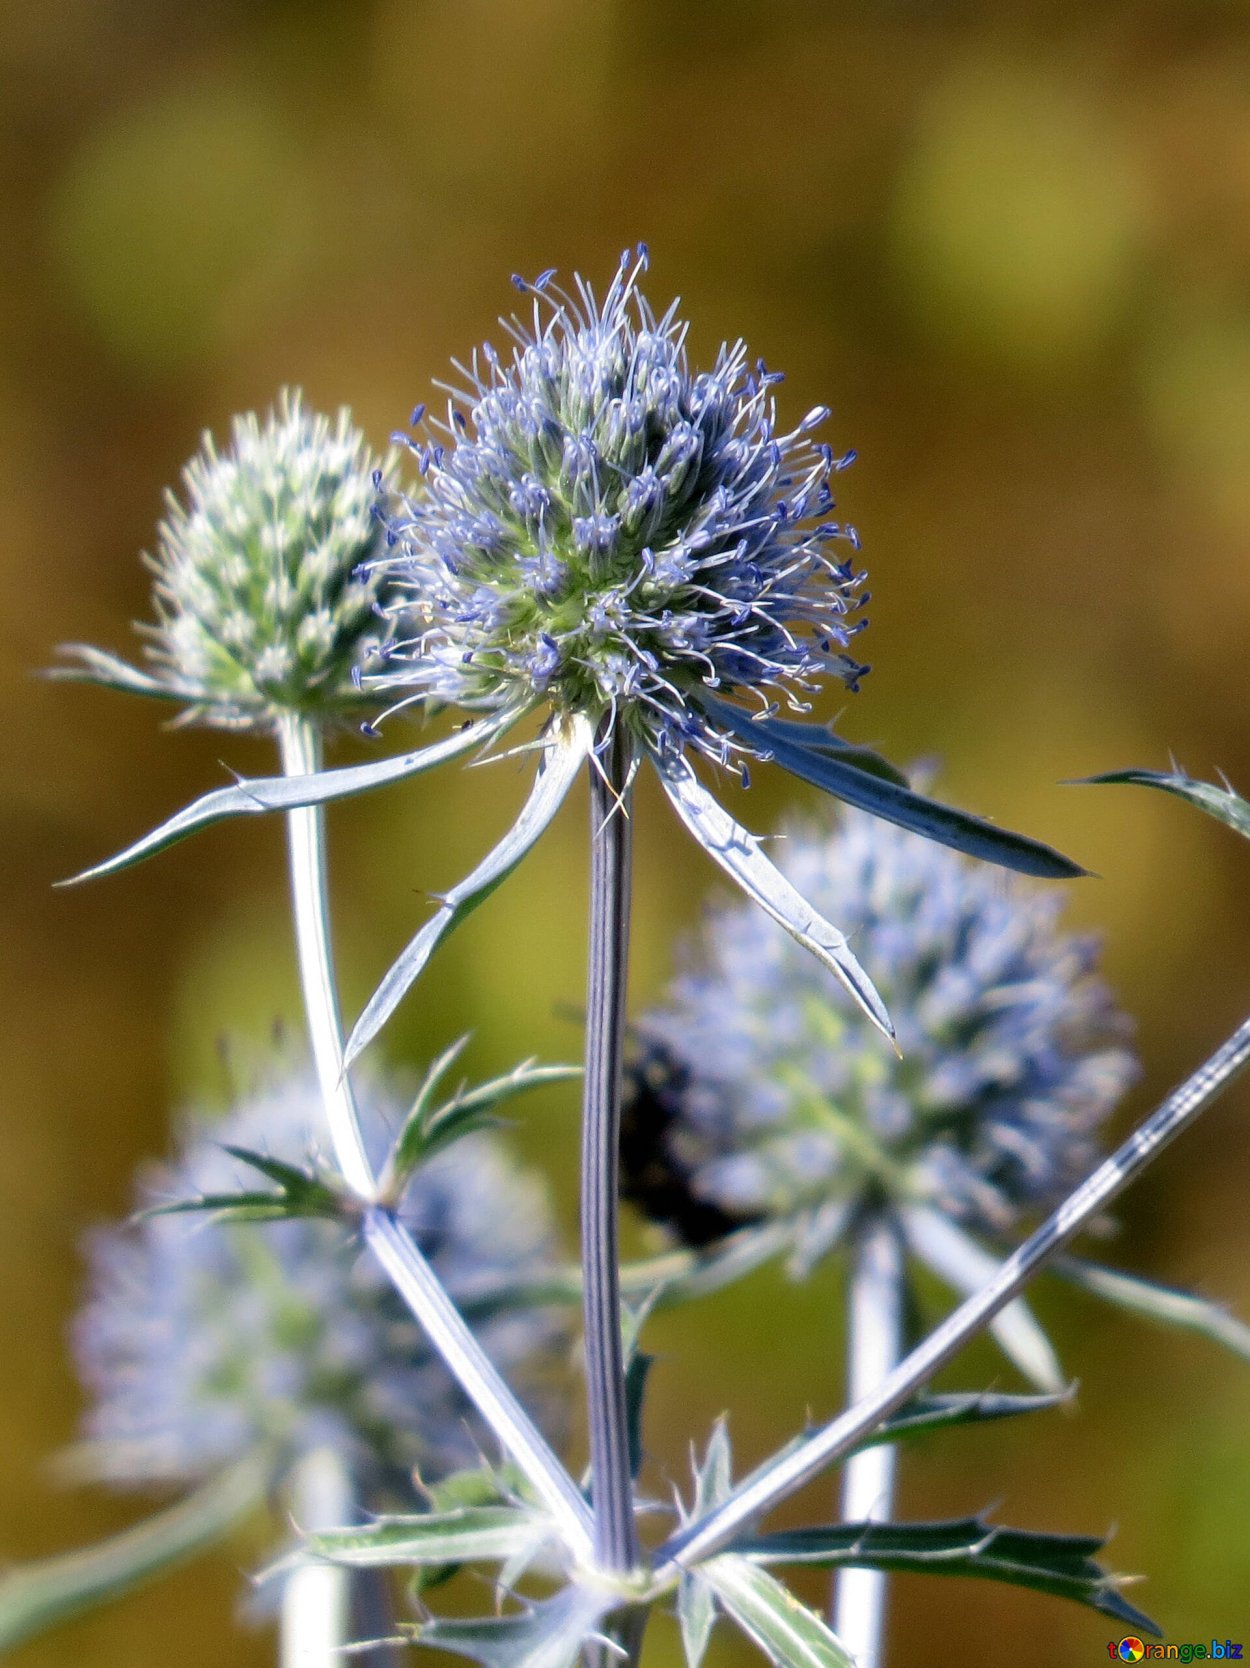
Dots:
(606, 529)
(264, 591)
(641, 551)
(203, 1341)
(757, 1096)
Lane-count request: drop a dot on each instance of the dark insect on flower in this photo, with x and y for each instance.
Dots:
(205, 1341)
(263, 599)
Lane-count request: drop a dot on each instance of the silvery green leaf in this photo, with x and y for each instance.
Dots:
(1167, 1304)
(824, 740)
(408, 1147)
(930, 1413)
(696, 1605)
(562, 759)
(962, 1263)
(638, 1366)
(1223, 803)
(480, 1485)
(36, 1596)
(428, 1128)
(742, 857)
(696, 1613)
(714, 1478)
(437, 1070)
(870, 791)
(250, 797)
(240, 1207)
(637, 1371)
(489, 1534)
(300, 1193)
(485, 1097)
(1062, 1565)
(786, 1631)
(549, 1634)
(92, 665)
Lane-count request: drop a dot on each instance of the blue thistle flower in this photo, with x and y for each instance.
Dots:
(264, 597)
(645, 553)
(203, 1342)
(602, 528)
(753, 1097)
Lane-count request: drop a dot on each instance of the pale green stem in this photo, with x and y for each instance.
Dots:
(300, 743)
(316, 1598)
(419, 1286)
(387, 1238)
(874, 1341)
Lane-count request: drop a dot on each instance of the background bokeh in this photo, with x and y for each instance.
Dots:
(1010, 245)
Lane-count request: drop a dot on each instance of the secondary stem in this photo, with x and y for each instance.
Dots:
(386, 1237)
(421, 1289)
(616, 1542)
(875, 1323)
(316, 1598)
(776, 1480)
(300, 743)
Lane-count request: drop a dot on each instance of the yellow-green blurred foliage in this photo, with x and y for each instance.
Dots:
(1010, 245)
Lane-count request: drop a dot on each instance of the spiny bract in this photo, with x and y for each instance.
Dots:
(756, 1095)
(203, 1341)
(603, 528)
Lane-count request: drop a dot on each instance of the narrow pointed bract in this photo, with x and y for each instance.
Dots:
(741, 856)
(560, 766)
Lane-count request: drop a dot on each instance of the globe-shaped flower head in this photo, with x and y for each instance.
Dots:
(641, 551)
(604, 528)
(265, 601)
(755, 1096)
(204, 1341)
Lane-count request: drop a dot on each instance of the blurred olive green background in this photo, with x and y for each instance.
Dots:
(1009, 244)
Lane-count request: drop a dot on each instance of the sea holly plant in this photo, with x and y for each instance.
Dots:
(613, 560)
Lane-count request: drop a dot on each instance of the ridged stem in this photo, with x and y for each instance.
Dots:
(775, 1481)
(388, 1239)
(316, 1598)
(874, 1341)
(616, 1541)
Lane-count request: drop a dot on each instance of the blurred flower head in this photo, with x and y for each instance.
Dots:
(754, 1095)
(265, 601)
(605, 529)
(203, 1341)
